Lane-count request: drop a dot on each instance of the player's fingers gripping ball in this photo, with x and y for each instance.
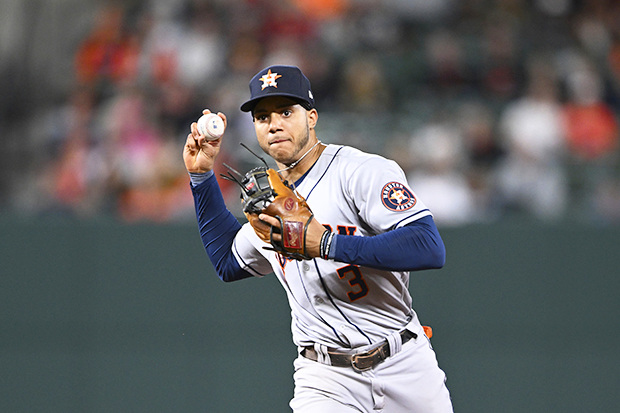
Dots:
(263, 191)
(211, 126)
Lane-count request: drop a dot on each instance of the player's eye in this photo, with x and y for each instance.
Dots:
(287, 112)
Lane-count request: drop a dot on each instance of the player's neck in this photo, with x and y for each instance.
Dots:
(296, 170)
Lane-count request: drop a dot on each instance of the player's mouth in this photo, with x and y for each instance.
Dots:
(278, 140)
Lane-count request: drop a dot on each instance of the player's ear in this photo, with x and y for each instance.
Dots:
(312, 116)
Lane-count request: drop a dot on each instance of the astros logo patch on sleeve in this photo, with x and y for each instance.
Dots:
(396, 197)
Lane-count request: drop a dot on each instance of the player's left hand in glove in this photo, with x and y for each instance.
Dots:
(279, 215)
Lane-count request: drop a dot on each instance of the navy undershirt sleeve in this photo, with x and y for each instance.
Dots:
(218, 227)
(416, 246)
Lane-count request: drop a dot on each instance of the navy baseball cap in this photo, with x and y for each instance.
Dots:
(286, 81)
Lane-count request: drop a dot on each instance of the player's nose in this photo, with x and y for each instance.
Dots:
(275, 123)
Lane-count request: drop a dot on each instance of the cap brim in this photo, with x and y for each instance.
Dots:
(249, 105)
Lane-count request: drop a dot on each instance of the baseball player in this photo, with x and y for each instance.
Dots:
(361, 345)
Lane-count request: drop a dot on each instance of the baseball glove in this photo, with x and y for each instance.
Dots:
(264, 191)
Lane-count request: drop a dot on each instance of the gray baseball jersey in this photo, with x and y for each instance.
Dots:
(336, 304)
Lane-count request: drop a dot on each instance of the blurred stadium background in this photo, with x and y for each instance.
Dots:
(503, 113)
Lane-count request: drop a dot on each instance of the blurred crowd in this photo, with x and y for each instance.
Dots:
(494, 108)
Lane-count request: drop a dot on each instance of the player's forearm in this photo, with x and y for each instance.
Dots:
(417, 246)
(217, 226)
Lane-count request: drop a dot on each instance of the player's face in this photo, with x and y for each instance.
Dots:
(283, 128)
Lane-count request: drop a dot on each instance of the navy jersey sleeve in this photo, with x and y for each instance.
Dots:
(416, 246)
(218, 227)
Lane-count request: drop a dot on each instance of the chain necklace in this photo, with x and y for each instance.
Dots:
(294, 164)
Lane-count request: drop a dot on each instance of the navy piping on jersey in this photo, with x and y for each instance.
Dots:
(301, 279)
(301, 178)
(324, 172)
(410, 216)
(248, 266)
(334, 304)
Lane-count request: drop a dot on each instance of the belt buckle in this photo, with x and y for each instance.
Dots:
(367, 360)
(361, 362)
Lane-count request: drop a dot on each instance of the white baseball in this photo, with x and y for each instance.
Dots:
(211, 126)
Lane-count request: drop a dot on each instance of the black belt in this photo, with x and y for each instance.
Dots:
(360, 361)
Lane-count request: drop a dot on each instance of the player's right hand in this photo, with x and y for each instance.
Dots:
(199, 154)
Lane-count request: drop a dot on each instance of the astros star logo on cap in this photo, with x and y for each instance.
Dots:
(269, 79)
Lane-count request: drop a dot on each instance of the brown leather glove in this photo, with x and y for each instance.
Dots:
(264, 191)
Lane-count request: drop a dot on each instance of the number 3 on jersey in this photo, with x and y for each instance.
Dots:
(360, 289)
